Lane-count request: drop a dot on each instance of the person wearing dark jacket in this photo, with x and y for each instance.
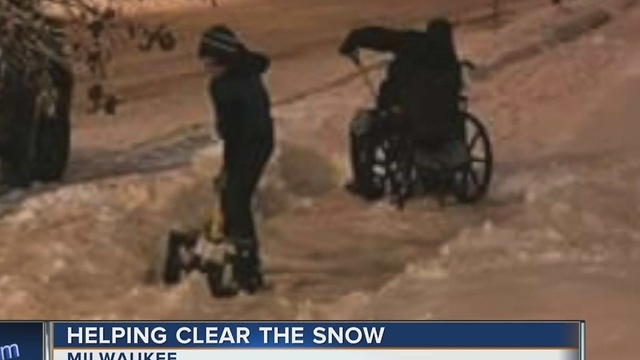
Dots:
(419, 95)
(243, 121)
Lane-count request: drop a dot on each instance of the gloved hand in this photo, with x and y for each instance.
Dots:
(348, 46)
(345, 49)
(353, 43)
(349, 51)
(355, 57)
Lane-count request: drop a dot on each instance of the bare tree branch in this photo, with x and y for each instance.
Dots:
(38, 34)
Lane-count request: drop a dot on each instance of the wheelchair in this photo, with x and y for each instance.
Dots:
(392, 165)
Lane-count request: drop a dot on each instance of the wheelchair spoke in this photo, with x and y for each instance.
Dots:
(474, 177)
(473, 140)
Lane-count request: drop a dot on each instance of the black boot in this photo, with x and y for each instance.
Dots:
(257, 266)
(247, 270)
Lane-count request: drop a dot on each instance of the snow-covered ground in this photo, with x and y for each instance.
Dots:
(557, 237)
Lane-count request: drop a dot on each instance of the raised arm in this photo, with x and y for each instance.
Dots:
(373, 38)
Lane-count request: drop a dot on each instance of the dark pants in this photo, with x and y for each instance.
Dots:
(243, 168)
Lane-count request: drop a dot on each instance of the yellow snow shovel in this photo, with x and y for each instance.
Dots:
(364, 74)
(205, 250)
(214, 227)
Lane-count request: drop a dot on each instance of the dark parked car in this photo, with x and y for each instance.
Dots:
(35, 106)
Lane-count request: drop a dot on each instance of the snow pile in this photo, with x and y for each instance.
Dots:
(581, 217)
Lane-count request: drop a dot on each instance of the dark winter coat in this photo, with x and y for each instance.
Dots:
(242, 104)
(423, 79)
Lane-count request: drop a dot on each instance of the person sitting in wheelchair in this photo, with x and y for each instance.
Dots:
(419, 98)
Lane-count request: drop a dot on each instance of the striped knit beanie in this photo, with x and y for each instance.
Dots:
(219, 42)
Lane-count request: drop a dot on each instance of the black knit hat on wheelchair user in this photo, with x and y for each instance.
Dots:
(219, 43)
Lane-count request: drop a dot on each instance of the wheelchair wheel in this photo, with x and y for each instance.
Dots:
(471, 179)
(381, 165)
(371, 158)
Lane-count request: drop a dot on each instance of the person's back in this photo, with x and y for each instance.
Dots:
(431, 86)
(429, 107)
(423, 80)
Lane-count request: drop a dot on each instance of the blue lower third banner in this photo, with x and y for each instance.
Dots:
(22, 340)
(318, 340)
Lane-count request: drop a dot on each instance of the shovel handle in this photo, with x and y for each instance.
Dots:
(365, 76)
